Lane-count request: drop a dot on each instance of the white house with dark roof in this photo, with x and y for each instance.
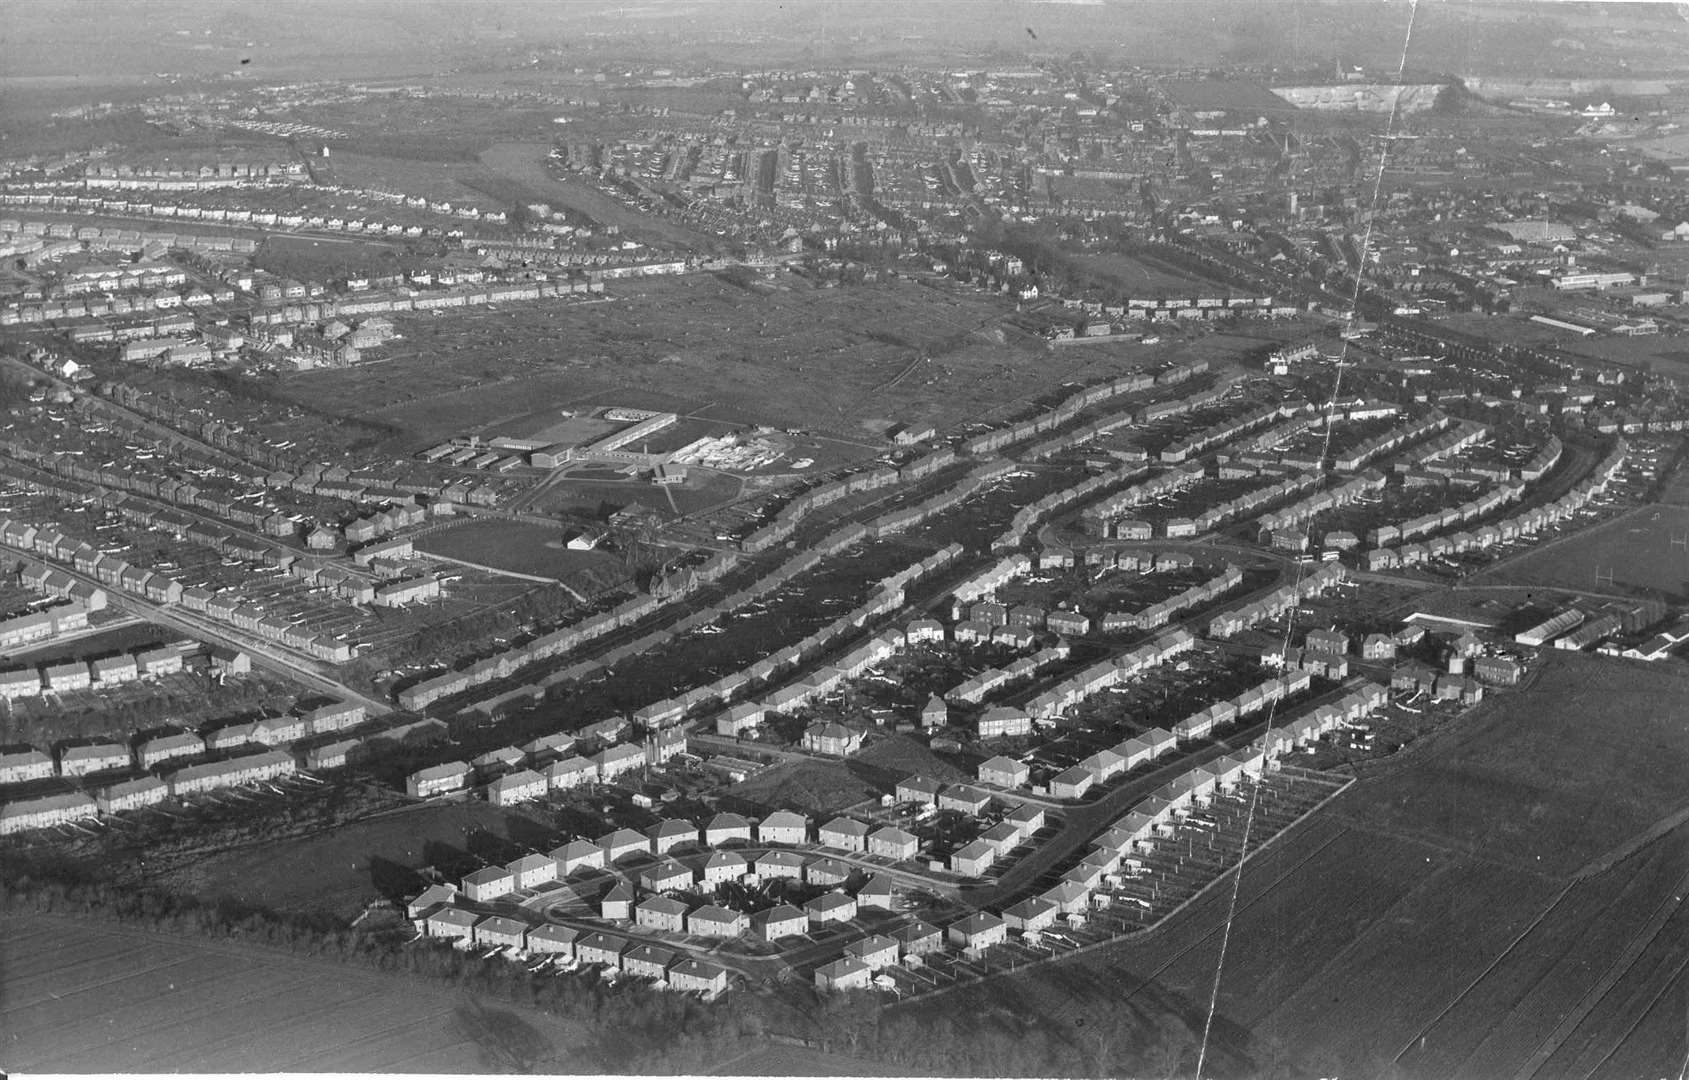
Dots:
(668, 875)
(163, 748)
(892, 842)
(1030, 915)
(489, 883)
(964, 799)
(532, 870)
(713, 920)
(973, 859)
(785, 864)
(569, 772)
(692, 974)
(878, 892)
(919, 938)
(846, 834)
(621, 843)
(825, 871)
(671, 833)
(131, 794)
(782, 920)
(553, 940)
(660, 913)
(978, 932)
(875, 950)
(783, 827)
(451, 923)
(845, 973)
(524, 785)
(831, 907)
(1004, 772)
(577, 855)
(918, 789)
(725, 827)
(499, 931)
(20, 765)
(46, 811)
(724, 866)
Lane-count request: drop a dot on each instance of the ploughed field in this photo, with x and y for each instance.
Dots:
(1503, 899)
(81, 998)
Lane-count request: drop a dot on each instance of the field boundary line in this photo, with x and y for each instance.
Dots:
(1482, 975)
(1641, 1015)
(1616, 969)
(1577, 534)
(1157, 927)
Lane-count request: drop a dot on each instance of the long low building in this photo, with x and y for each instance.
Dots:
(233, 772)
(45, 812)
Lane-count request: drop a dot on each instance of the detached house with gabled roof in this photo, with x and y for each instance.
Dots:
(724, 866)
(488, 883)
(601, 948)
(782, 920)
(892, 842)
(845, 973)
(846, 834)
(451, 923)
(553, 940)
(660, 913)
(964, 799)
(532, 870)
(978, 932)
(878, 892)
(621, 843)
(826, 872)
(727, 827)
(671, 833)
(667, 875)
(831, 907)
(697, 976)
(783, 827)
(616, 905)
(832, 738)
(875, 950)
(578, 855)
(713, 920)
(1003, 772)
(919, 938)
(779, 864)
(646, 961)
(918, 789)
(518, 787)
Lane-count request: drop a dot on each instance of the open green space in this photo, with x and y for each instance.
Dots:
(791, 357)
(339, 872)
(524, 548)
(1637, 549)
(86, 998)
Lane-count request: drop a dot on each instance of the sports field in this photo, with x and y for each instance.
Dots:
(1638, 550)
(82, 998)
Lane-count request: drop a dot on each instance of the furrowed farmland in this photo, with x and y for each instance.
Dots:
(1521, 933)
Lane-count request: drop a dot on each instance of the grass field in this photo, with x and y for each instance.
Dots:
(340, 872)
(1136, 277)
(1637, 549)
(81, 998)
(525, 549)
(787, 357)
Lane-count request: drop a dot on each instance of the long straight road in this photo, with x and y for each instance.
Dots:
(264, 653)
